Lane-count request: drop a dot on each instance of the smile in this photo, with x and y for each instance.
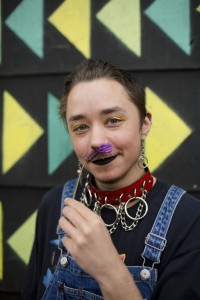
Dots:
(104, 161)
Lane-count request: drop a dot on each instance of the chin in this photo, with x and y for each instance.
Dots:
(108, 178)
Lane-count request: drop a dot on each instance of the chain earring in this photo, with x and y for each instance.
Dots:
(142, 161)
(79, 179)
(79, 172)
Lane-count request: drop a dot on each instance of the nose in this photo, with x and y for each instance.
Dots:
(98, 137)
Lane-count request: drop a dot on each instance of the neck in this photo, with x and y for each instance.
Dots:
(136, 189)
(119, 183)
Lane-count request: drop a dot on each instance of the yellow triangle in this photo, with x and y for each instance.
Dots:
(1, 242)
(167, 133)
(72, 19)
(20, 132)
(198, 8)
(22, 239)
(123, 19)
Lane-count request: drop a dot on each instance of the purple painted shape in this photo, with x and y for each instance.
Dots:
(105, 148)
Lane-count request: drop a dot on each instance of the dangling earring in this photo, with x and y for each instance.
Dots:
(79, 172)
(142, 161)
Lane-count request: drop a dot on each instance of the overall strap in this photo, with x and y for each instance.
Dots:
(68, 190)
(155, 241)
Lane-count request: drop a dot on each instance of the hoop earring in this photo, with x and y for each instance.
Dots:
(142, 161)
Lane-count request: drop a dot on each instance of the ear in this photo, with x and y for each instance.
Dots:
(146, 126)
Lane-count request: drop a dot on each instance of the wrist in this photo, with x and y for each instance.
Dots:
(118, 284)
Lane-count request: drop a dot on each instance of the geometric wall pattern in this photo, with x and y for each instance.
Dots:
(40, 42)
(72, 20)
(177, 130)
(124, 25)
(20, 132)
(29, 26)
(1, 242)
(59, 148)
(16, 241)
(174, 20)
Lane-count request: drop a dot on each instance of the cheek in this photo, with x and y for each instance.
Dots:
(130, 145)
(127, 139)
(80, 148)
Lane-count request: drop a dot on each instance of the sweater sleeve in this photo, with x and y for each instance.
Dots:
(31, 280)
(45, 252)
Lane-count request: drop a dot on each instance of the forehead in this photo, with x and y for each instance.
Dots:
(96, 92)
(98, 98)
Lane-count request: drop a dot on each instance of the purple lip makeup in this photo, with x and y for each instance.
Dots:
(105, 148)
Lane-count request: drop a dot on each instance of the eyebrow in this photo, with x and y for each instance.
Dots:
(76, 117)
(111, 110)
(102, 112)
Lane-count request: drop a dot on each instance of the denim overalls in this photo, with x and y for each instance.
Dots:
(70, 282)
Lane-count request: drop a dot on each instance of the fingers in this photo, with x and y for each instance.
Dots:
(67, 227)
(78, 218)
(73, 217)
(84, 211)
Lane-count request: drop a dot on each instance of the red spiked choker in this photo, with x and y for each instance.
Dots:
(123, 195)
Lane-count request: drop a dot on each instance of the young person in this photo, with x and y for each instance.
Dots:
(122, 233)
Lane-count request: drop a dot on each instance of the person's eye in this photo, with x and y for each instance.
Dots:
(80, 128)
(115, 121)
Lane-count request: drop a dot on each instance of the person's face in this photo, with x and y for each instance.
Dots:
(100, 112)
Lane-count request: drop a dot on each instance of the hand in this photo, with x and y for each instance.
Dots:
(89, 243)
(87, 240)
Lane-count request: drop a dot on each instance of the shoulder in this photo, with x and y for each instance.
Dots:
(186, 218)
(51, 199)
(183, 236)
(54, 194)
(186, 221)
(49, 210)
(188, 203)
(187, 210)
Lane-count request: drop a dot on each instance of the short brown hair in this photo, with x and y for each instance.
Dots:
(91, 69)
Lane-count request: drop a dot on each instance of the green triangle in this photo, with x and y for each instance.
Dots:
(59, 143)
(123, 19)
(173, 17)
(26, 21)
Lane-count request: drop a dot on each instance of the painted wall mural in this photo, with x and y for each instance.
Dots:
(40, 42)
